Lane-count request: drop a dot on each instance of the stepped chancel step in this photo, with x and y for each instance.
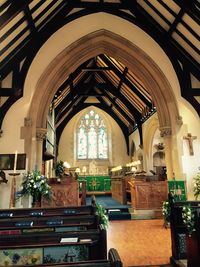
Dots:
(118, 214)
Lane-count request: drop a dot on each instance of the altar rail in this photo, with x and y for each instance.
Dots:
(183, 246)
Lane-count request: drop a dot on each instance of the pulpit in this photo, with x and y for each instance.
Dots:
(64, 193)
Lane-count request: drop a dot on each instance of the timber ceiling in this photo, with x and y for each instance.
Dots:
(101, 81)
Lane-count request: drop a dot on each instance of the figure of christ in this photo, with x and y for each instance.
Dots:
(190, 139)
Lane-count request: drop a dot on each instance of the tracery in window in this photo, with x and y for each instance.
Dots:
(92, 141)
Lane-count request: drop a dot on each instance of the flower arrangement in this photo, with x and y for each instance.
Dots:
(188, 218)
(166, 211)
(36, 185)
(101, 213)
(196, 188)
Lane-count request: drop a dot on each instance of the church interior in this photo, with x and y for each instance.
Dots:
(99, 133)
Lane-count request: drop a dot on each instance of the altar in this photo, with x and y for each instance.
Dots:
(96, 183)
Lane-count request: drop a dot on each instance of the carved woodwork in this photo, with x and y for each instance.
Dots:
(148, 194)
(65, 193)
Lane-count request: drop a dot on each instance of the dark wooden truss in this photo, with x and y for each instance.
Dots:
(101, 77)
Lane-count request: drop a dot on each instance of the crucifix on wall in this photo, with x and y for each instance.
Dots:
(190, 139)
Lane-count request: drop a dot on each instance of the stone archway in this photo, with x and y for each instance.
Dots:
(98, 42)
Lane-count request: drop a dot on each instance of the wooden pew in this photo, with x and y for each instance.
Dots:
(93, 241)
(183, 246)
(112, 261)
(40, 228)
(19, 219)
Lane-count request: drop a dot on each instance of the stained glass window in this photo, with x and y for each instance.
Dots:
(92, 137)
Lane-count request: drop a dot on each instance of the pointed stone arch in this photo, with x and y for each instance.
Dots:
(91, 45)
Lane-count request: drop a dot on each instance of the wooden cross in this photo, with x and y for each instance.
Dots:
(190, 139)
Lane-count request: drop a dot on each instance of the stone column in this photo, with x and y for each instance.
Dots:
(167, 136)
(40, 136)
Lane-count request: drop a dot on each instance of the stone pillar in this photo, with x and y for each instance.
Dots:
(166, 134)
(40, 136)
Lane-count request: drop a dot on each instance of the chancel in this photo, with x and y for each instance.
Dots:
(98, 99)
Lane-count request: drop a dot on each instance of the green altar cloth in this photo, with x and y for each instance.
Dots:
(96, 183)
(178, 188)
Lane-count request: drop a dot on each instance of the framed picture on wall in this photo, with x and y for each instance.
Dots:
(7, 161)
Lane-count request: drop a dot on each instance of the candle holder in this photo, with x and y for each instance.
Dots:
(13, 188)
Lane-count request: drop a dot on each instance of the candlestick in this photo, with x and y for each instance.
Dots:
(15, 162)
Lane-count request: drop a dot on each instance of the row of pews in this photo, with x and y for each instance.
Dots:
(184, 246)
(63, 236)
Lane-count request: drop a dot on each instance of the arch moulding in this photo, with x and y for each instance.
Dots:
(91, 45)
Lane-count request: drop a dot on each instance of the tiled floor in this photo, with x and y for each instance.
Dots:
(140, 242)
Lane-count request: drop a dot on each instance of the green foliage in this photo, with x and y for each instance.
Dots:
(196, 188)
(36, 185)
(101, 213)
(59, 170)
(166, 211)
(188, 218)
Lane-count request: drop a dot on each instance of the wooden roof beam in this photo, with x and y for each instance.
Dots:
(7, 91)
(123, 113)
(72, 93)
(110, 87)
(15, 8)
(126, 81)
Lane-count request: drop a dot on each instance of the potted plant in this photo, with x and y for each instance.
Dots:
(101, 213)
(188, 217)
(196, 188)
(166, 211)
(36, 185)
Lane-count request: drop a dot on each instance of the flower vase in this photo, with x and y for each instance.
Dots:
(36, 203)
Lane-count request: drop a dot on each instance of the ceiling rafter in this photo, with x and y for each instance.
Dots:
(71, 94)
(189, 7)
(15, 8)
(112, 100)
(109, 86)
(176, 21)
(125, 81)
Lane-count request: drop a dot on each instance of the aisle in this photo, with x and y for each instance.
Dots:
(140, 242)
(107, 202)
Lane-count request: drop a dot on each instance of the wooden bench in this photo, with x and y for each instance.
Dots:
(183, 246)
(45, 230)
(19, 219)
(112, 261)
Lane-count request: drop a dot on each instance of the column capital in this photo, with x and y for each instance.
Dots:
(41, 134)
(165, 131)
(27, 122)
